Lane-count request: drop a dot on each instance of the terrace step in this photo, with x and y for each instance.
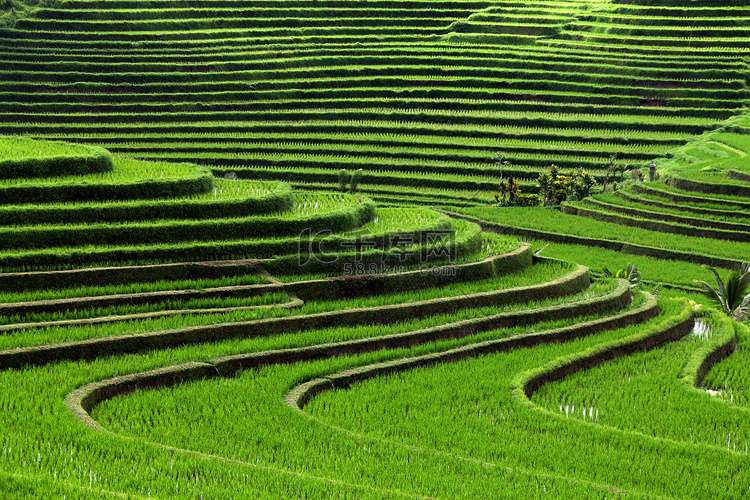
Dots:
(651, 199)
(636, 96)
(431, 87)
(241, 200)
(702, 228)
(388, 314)
(345, 214)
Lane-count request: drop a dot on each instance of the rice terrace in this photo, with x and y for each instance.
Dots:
(374, 249)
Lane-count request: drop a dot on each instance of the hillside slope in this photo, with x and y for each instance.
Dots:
(420, 95)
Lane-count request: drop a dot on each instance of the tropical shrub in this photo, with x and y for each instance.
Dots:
(510, 195)
(580, 183)
(520, 200)
(555, 187)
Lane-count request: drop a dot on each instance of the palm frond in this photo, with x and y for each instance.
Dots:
(719, 283)
(744, 280)
(743, 311)
(711, 291)
(732, 293)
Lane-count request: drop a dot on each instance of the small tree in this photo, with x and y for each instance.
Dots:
(560, 188)
(545, 188)
(581, 183)
(356, 179)
(513, 190)
(499, 157)
(343, 180)
(733, 295)
(619, 168)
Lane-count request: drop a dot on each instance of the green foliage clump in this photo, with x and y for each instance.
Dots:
(352, 179)
(356, 179)
(520, 200)
(556, 187)
(343, 180)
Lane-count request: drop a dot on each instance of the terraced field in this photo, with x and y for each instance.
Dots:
(149, 351)
(422, 96)
(697, 215)
(192, 307)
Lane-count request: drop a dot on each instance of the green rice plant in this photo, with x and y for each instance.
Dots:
(377, 125)
(26, 158)
(103, 412)
(654, 222)
(131, 288)
(506, 421)
(311, 212)
(228, 246)
(315, 174)
(130, 179)
(373, 143)
(297, 92)
(673, 273)
(660, 190)
(227, 198)
(728, 379)
(177, 469)
(75, 317)
(484, 410)
(630, 394)
(319, 98)
(540, 273)
(493, 244)
(125, 170)
(557, 223)
(628, 199)
(691, 125)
